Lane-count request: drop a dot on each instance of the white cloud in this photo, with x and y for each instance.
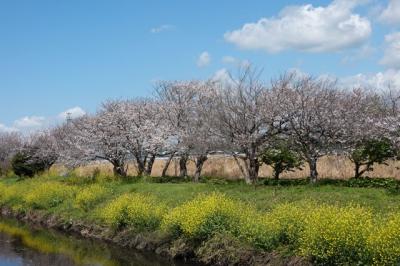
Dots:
(229, 59)
(391, 14)
(204, 59)
(378, 81)
(161, 28)
(235, 61)
(221, 74)
(363, 52)
(223, 77)
(391, 57)
(373, 81)
(29, 122)
(4, 128)
(72, 113)
(305, 28)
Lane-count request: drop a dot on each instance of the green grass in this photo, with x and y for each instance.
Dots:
(262, 197)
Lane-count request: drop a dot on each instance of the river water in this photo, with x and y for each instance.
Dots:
(21, 244)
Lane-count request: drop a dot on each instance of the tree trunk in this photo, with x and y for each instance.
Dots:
(357, 173)
(140, 168)
(312, 162)
(150, 164)
(200, 160)
(253, 165)
(168, 162)
(182, 165)
(276, 174)
(119, 169)
(245, 173)
(140, 163)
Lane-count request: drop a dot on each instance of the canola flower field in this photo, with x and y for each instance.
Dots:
(325, 224)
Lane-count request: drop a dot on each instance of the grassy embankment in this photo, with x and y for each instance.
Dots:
(227, 222)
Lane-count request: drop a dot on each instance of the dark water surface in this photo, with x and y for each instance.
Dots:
(24, 245)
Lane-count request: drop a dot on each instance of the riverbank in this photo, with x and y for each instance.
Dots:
(31, 244)
(178, 251)
(216, 222)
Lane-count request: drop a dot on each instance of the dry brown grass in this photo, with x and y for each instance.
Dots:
(223, 166)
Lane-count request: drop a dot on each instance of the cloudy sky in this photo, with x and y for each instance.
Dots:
(59, 57)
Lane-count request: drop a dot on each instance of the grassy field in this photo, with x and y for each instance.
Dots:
(262, 197)
(266, 197)
(319, 222)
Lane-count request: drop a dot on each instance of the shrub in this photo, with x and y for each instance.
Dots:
(388, 183)
(23, 165)
(384, 242)
(89, 196)
(281, 158)
(203, 216)
(139, 211)
(370, 152)
(48, 195)
(334, 235)
(286, 182)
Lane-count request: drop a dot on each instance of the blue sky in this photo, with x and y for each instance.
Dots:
(58, 55)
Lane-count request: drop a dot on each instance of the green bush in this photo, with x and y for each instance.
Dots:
(166, 179)
(387, 183)
(286, 182)
(133, 210)
(23, 166)
(281, 158)
(370, 152)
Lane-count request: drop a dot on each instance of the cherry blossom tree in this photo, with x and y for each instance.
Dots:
(145, 134)
(246, 115)
(365, 134)
(42, 147)
(92, 138)
(10, 143)
(389, 123)
(316, 118)
(178, 101)
(203, 139)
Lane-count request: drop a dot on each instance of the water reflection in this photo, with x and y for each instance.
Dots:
(21, 245)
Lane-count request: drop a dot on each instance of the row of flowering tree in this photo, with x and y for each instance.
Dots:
(241, 116)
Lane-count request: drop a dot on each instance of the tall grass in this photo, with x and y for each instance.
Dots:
(224, 166)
